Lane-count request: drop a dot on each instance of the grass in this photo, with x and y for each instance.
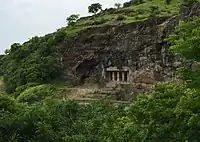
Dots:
(126, 15)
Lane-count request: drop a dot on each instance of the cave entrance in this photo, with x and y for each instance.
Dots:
(113, 74)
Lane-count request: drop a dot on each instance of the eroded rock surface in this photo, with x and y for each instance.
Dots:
(141, 46)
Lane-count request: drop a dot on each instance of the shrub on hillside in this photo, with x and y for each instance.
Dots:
(127, 4)
(109, 11)
(120, 17)
(99, 21)
(22, 88)
(36, 94)
(154, 10)
(133, 2)
(6, 102)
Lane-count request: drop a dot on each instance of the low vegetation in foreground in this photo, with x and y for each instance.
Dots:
(169, 113)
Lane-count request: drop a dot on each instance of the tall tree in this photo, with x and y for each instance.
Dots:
(185, 43)
(94, 8)
(71, 20)
(186, 40)
(117, 5)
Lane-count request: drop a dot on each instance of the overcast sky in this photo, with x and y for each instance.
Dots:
(23, 19)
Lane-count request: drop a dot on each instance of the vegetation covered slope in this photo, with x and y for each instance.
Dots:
(170, 113)
(38, 60)
(35, 61)
(128, 13)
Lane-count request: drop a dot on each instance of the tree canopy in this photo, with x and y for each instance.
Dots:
(186, 40)
(94, 8)
(71, 20)
(34, 61)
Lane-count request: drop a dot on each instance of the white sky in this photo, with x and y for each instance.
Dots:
(23, 19)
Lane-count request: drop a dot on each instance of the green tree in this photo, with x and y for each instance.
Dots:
(154, 10)
(185, 43)
(186, 40)
(71, 20)
(117, 5)
(34, 61)
(15, 46)
(94, 8)
(7, 51)
(168, 113)
(127, 4)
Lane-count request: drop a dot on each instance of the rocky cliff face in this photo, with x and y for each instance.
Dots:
(140, 46)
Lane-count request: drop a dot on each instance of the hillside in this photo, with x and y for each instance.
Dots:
(126, 14)
(41, 56)
(123, 75)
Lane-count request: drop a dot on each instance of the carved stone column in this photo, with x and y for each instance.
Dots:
(123, 76)
(113, 76)
(118, 76)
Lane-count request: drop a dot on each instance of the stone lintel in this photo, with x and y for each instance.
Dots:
(117, 69)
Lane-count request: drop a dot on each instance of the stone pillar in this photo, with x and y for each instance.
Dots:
(110, 76)
(118, 76)
(113, 76)
(123, 76)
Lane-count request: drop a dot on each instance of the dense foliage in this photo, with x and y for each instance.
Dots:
(71, 20)
(94, 8)
(186, 40)
(169, 113)
(55, 120)
(185, 43)
(34, 61)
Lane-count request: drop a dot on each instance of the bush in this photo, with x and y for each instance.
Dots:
(109, 11)
(120, 17)
(99, 21)
(141, 11)
(154, 10)
(127, 4)
(133, 2)
(22, 88)
(36, 94)
(6, 102)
